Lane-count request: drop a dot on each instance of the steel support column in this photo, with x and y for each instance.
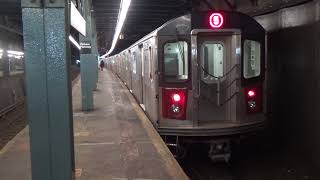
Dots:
(88, 61)
(47, 58)
(5, 61)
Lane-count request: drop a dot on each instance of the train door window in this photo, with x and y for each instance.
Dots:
(150, 66)
(176, 61)
(146, 61)
(251, 59)
(142, 61)
(213, 60)
(134, 62)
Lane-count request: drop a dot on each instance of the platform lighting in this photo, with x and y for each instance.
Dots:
(124, 7)
(76, 20)
(74, 42)
(17, 53)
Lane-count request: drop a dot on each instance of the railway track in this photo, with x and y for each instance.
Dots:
(262, 160)
(12, 121)
(14, 117)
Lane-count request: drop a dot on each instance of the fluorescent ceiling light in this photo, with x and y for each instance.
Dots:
(124, 7)
(1, 50)
(77, 21)
(18, 53)
(74, 42)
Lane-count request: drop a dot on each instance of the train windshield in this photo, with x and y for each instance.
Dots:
(176, 61)
(251, 59)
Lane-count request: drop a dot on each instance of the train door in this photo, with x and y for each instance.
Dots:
(215, 65)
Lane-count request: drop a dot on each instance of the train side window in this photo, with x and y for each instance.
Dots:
(176, 61)
(251, 59)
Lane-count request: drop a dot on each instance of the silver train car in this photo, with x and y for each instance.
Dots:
(200, 78)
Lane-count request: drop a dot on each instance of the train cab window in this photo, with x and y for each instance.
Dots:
(212, 59)
(176, 61)
(251, 59)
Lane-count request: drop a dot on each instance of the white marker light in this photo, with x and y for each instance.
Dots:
(124, 7)
(74, 42)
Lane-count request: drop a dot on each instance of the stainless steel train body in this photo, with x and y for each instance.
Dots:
(199, 76)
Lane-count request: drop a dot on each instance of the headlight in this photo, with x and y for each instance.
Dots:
(175, 108)
(252, 104)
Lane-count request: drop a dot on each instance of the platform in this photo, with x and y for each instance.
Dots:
(115, 141)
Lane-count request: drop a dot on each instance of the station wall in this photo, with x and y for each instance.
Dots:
(294, 77)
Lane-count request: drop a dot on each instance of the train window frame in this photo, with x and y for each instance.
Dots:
(204, 78)
(246, 60)
(174, 79)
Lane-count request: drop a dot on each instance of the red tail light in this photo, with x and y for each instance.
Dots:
(253, 96)
(251, 93)
(176, 97)
(174, 103)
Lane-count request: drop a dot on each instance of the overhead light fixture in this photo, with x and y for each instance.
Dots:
(74, 42)
(1, 50)
(124, 7)
(76, 20)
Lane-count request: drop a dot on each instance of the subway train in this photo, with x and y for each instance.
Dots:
(200, 78)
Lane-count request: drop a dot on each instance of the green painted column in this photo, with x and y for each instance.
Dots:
(46, 45)
(88, 61)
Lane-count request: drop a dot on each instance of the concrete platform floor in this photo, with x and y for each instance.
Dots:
(115, 141)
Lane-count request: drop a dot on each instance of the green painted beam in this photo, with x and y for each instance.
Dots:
(47, 58)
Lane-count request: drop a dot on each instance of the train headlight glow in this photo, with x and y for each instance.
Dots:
(216, 20)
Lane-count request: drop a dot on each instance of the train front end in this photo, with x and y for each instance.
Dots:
(215, 83)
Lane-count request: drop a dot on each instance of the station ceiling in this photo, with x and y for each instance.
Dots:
(145, 15)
